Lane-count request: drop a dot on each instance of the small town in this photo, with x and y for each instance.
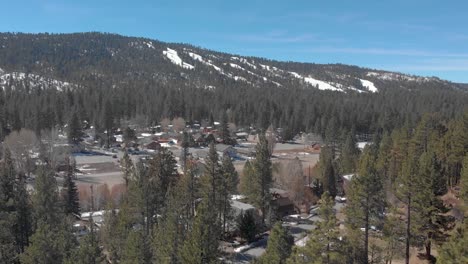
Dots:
(233, 132)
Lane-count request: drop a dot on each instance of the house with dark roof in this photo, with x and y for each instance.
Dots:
(224, 150)
(281, 202)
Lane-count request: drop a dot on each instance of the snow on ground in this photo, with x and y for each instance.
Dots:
(363, 144)
(369, 85)
(321, 85)
(195, 56)
(35, 81)
(149, 44)
(265, 67)
(355, 89)
(392, 76)
(237, 78)
(297, 75)
(245, 61)
(174, 58)
(210, 87)
(209, 63)
(233, 65)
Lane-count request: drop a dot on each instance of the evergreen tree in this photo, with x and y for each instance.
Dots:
(43, 248)
(229, 182)
(188, 191)
(75, 131)
(365, 201)
(247, 226)
(455, 251)
(392, 231)
(201, 245)
(128, 135)
(23, 214)
(89, 251)
(135, 250)
(184, 153)
(349, 155)
(211, 180)
(224, 130)
(279, 246)
(69, 192)
(247, 179)
(427, 206)
(262, 177)
(108, 121)
(8, 252)
(117, 230)
(161, 176)
(323, 245)
(464, 181)
(50, 244)
(45, 198)
(127, 167)
(327, 171)
(168, 235)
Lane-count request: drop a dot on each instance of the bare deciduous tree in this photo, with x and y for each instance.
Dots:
(24, 146)
(271, 137)
(165, 123)
(54, 147)
(232, 128)
(290, 177)
(178, 124)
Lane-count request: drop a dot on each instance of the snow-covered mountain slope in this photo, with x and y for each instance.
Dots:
(113, 59)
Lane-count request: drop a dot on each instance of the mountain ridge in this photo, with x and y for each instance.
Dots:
(137, 52)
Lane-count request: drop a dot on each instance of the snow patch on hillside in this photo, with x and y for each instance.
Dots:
(321, 85)
(149, 44)
(233, 65)
(297, 75)
(369, 85)
(237, 78)
(355, 89)
(265, 67)
(245, 61)
(195, 56)
(392, 76)
(174, 58)
(33, 81)
(199, 58)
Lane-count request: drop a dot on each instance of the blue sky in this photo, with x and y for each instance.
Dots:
(427, 38)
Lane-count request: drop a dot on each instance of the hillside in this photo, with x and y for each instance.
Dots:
(73, 56)
(153, 79)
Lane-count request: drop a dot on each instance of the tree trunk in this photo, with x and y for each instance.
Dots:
(366, 236)
(408, 231)
(427, 246)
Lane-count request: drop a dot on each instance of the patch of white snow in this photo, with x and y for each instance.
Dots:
(174, 58)
(369, 85)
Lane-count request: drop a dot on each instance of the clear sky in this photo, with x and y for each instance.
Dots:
(427, 38)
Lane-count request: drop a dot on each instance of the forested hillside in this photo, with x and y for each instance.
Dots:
(45, 78)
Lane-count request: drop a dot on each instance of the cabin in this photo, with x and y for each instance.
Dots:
(154, 145)
(226, 150)
(281, 202)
